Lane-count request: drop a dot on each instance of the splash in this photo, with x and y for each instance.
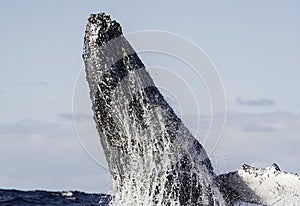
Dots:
(153, 158)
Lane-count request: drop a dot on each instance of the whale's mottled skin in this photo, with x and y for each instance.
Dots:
(153, 158)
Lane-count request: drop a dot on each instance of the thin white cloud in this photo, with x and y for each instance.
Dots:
(275, 121)
(76, 116)
(259, 102)
(33, 83)
(258, 128)
(27, 127)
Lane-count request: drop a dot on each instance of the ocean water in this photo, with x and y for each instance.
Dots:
(17, 197)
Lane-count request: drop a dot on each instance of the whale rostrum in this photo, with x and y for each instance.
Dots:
(153, 158)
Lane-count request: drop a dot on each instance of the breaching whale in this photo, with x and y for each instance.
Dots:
(152, 157)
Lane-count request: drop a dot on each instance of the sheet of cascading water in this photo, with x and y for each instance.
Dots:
(152, 156)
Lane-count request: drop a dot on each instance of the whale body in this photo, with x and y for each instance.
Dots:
(153, 158)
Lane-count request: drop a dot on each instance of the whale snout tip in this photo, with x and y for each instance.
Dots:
(93, 18)
(96, 18)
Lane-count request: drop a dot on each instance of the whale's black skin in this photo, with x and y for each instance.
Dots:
(153, 158)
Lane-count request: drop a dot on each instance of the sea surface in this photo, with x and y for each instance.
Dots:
(17, 197)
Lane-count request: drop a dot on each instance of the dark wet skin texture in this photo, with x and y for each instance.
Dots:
(108, 64)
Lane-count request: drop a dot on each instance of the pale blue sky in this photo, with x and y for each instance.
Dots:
(254, 45)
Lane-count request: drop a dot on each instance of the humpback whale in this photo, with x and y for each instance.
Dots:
(153, 158)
